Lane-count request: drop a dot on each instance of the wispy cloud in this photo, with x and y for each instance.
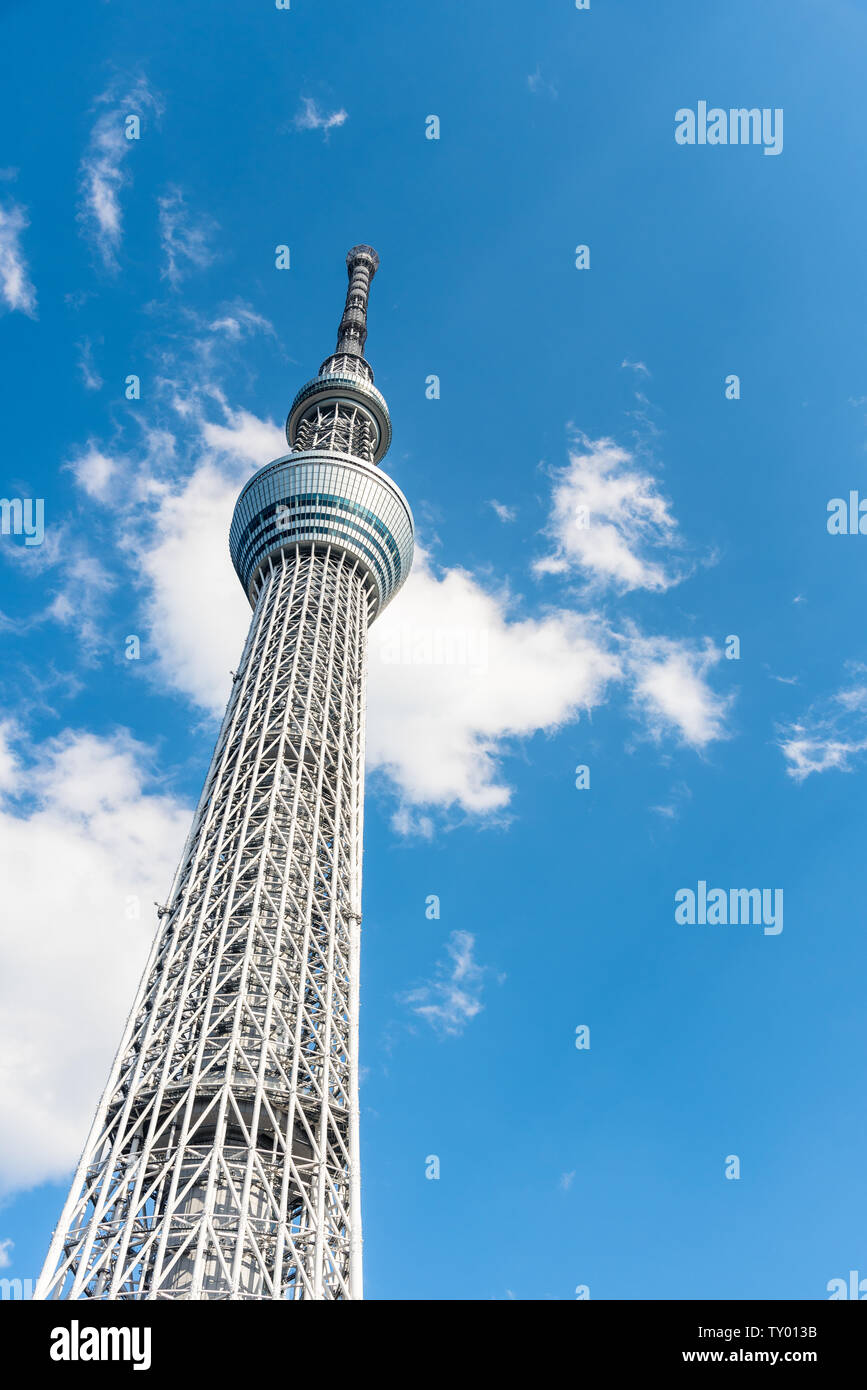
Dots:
(453, 997)
(186, 240)
(89, 374)
(102, 175)
(75, 583)
(503, 512)
(239, 320)
(310, 117)
(16, 287)
(635, 366)
(832, 734)
(80, 603)
(670, 810)
(537, 83)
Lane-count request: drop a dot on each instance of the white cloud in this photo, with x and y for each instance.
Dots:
(94, 470)
(6, 1247)
(172, 501)
(807, 753)
(311, 118)
(671, 690)
(854, 699)
(102, 175)
(830, 736)
(9, 763)
(16, 287)
(452, 998)
(245, 438)
(635, 366)
(503, 512)
(451, 677)
(80, 836)
(607, 519)
(186, 241)
(195, 611)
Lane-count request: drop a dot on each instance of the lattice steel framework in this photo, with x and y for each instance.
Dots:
(223, 1161)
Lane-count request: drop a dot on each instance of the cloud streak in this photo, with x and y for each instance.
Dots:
(310, 117)
(187, 241)
(452, 999)
(831, 736)
(102, 175)
(16, 288)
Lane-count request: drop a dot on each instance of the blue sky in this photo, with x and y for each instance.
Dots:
(601, 645)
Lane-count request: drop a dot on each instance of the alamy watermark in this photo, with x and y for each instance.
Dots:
(847, 516)
(739, 125)
(416, 645)
(855, 1287)
(17, 1290)
(77, 1343)
(23, 516)
(720, 907)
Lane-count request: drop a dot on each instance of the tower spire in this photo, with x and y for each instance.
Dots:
(341, 409)
(361, 265)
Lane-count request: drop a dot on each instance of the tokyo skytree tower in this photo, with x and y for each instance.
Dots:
(223, 1161)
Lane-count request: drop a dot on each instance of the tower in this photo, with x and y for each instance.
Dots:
(223, 1160)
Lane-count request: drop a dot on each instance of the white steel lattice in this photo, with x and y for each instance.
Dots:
(342, 429)
(223, 1161)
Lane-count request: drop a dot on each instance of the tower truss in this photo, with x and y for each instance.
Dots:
(223, 1160)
